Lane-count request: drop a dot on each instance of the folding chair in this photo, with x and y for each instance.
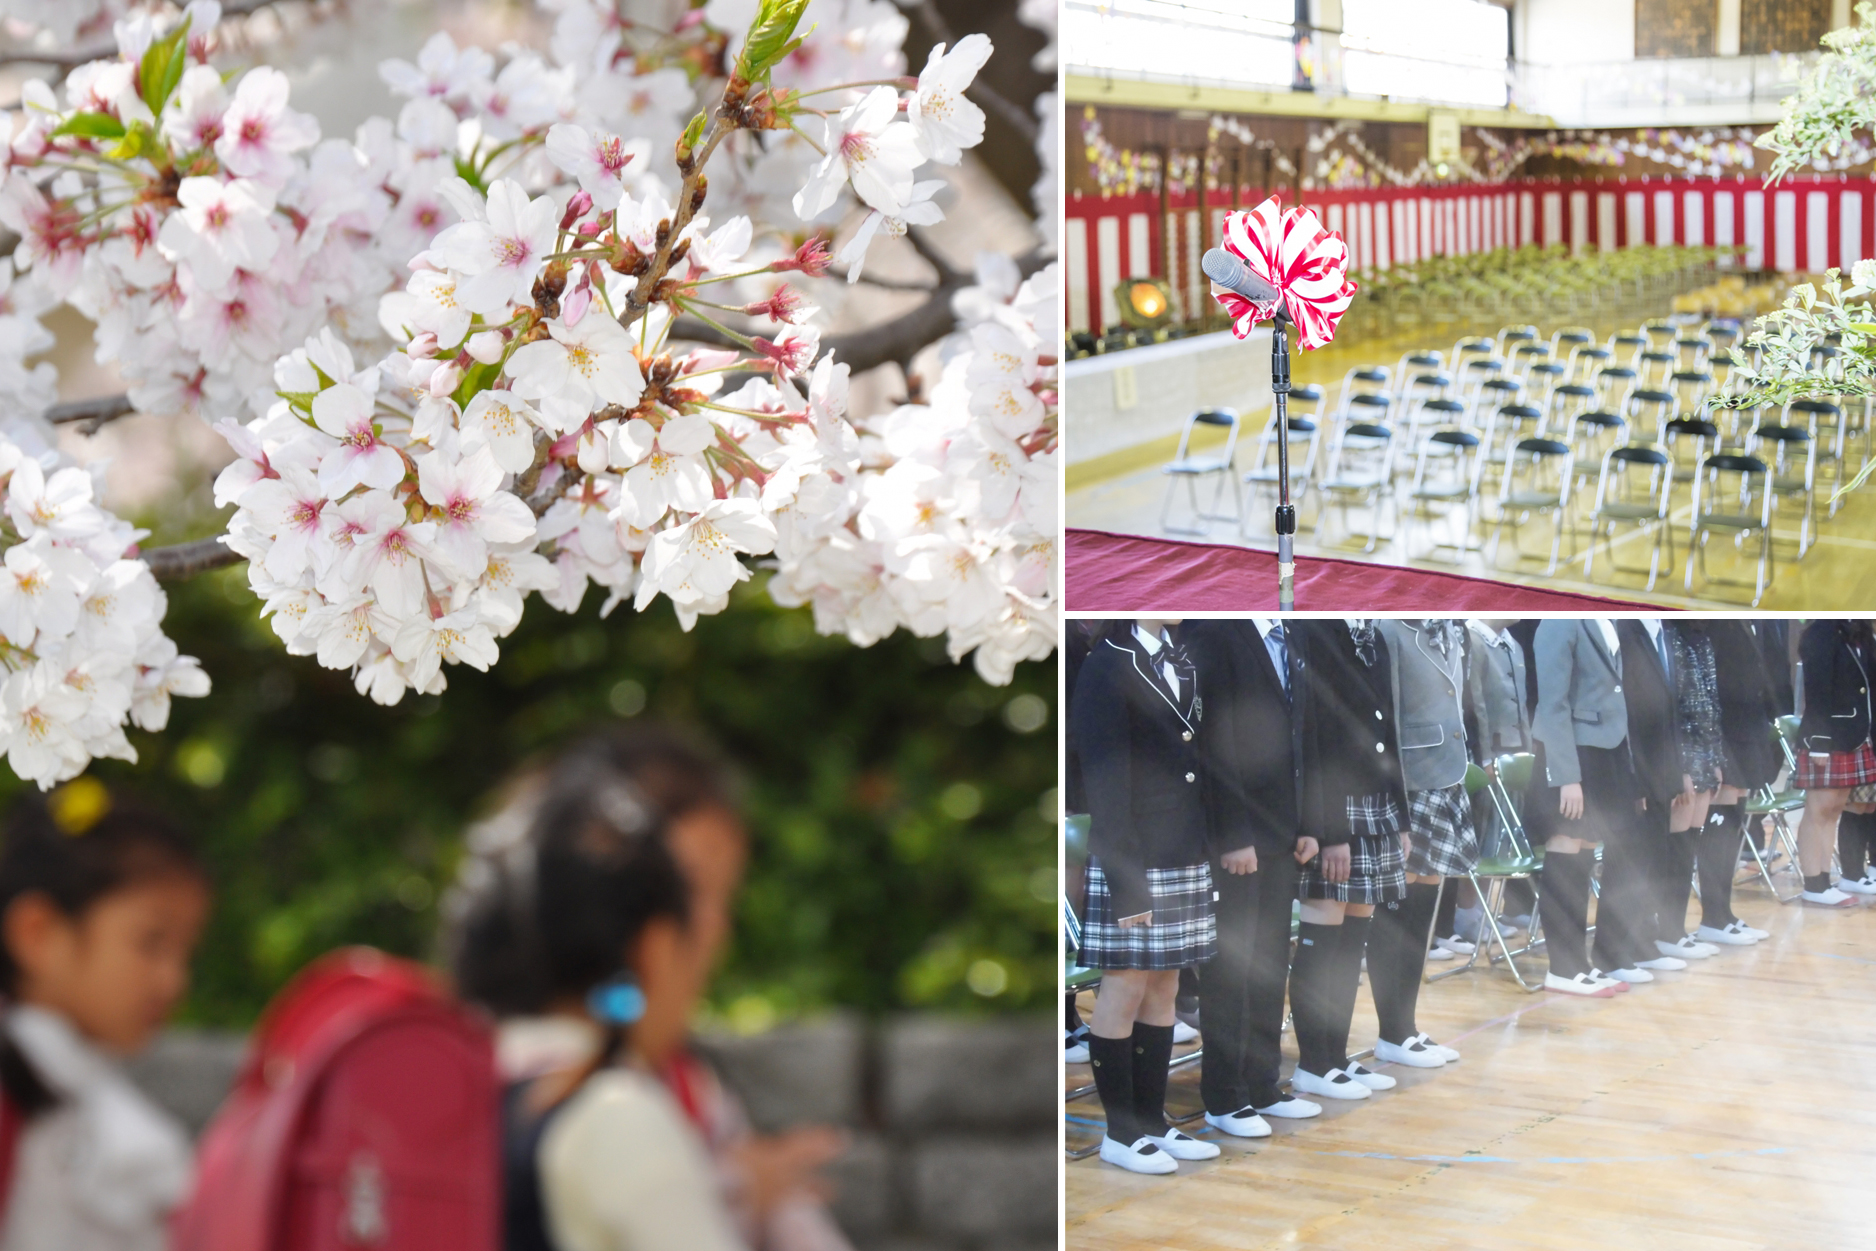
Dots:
(1514, 858)
(1720, 508)
(1453, 457)
(1618, 503)
(1775, 802)
(1188, 468)
(1518, 500)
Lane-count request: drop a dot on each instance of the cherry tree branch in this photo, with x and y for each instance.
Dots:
(895, 341)
(185, 560)
(89, 415)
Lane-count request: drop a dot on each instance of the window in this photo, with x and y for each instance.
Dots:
(1452, 51)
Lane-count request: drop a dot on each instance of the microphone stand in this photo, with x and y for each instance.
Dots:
(1286, 511)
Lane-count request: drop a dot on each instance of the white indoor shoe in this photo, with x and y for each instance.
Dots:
(1439, 1049)
(1244, 1123)
(1632, 975)
(1290, 1108)
(1686, 949)
(1829, 897)
(1582, 984)
(1183, 1146)
(1865, 885)
(1369, 1078)
(1617, 984)
(1732, 936)
(1457, 945)
(1075, 1045)
(1437, 952)
(1755, 934)
(1144, 1156)
(1183, 1033)
(1335, 1084)
(1671, 963)
(1413, 1053)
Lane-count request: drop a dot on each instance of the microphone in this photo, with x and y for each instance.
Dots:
(1234, 275)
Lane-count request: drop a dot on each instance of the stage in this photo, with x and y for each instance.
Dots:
(1128, 574)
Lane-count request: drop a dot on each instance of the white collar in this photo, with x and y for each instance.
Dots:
(1147, 641)
(1264, 626)
(1653, 626)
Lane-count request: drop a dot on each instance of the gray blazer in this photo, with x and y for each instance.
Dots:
(1579, 695)
(1428, 706)
(1495, 684)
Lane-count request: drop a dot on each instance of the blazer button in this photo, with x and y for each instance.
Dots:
(1187, 736)
(1380, 746)
(1192, 777)
(1377, 714)
(1618, 689)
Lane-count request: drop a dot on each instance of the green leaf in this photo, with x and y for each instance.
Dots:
(91, 126)
(693, 133)
(476, 381)
(470, 174)
(769, 38)
(162, 67)
(299, 399)
(131, 144)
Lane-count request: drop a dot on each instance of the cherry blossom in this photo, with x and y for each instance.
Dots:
(943, 121)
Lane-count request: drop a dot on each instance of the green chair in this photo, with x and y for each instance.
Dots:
(1771, 801)
(1515, 858)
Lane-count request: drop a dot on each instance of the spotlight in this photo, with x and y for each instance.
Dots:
(1145, 303)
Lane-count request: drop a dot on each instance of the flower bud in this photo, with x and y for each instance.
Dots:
(446, 379)
(577, 207)
(486, 346)
(423, 347)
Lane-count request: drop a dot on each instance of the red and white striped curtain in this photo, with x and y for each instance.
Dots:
(1801, 224)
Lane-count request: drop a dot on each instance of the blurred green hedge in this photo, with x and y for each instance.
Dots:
(904, 851)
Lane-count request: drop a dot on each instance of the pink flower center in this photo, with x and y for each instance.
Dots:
(612, 155)
(856, 148)
(512, 252)
(253, 130)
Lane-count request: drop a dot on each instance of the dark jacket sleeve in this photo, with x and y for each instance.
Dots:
(1229, 822)
(1102, 730)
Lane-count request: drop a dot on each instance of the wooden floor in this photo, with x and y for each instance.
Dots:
(1728, 1107)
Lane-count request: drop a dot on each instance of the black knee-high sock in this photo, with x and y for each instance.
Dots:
(1564, 906)
(1152, 1052)
(1397, 960)
(1719, 860)
(1346, 981)
(1310, 1001)
(1856, 840)
(1112, 1059)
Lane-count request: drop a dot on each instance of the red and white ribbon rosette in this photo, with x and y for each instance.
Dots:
(1292, 251)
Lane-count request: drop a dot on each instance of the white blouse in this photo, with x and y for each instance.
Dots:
(623, 1170)
(103, 1170)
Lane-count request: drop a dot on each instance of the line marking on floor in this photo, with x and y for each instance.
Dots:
(1556, 1159)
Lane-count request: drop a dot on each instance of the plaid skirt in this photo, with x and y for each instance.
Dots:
(1183, 931)
(1840, 770)
(1377, 869)
(1445, 842)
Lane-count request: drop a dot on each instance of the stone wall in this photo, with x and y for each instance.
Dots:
(953, 1122)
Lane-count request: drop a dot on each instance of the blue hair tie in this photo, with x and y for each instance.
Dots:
(617, 1001)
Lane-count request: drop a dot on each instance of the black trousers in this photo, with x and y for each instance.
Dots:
(1241, 988)
(1670, 863)
(1631, 891)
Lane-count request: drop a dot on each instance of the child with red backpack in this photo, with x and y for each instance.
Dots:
(101, 904)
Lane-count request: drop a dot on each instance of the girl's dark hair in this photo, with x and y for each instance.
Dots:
(75, 846)
(573, 868)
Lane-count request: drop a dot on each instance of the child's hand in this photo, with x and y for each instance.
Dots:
(775, 1166)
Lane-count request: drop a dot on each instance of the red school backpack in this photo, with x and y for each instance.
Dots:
(367, 1114)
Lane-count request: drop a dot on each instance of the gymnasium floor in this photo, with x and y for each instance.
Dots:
(1123, 493)
(1729, 1107)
